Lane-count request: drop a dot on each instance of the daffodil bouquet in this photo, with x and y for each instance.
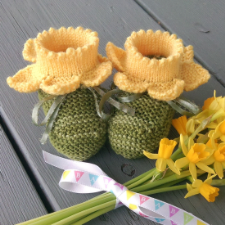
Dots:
(201, 150)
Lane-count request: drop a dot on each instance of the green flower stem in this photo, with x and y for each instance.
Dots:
(59, 215)
(160, 182)
(142, 176)
(75, 217)
(142, 180)
(164, 189)
(149, 174)
(94, 215)
(176, 154)
(169, 184)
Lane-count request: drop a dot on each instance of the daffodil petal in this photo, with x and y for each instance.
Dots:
(204, 167)
(150, 155)
(209, 178)
(183, 146)
(222, 138)
(190, 143)
(181, 162)
(212, 125)
(197, 183)
(209, 161)
(190, 126)
(193, 170)
(202, 138)
(219, 169)
(161, 164)
(192, 192)
(223, 163)
(211, 132)
(189, 187)
(170, 163)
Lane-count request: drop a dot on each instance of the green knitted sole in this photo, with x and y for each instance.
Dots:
(129, 136)
(78, 131)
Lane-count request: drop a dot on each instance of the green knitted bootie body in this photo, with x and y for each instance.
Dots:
(130, 135)
(78, 131)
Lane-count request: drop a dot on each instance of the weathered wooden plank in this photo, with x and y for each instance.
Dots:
(18, 197)
(199, 23)
(114, 21)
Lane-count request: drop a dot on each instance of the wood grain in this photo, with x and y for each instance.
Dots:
(18, 197)
(114, 21)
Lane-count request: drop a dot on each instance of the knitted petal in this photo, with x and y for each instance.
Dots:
(24, 81)
(99, 74)
(126, 83)
(60, 85)
(116, 55)
(166, 91)
(193, 75)
(188, 54)
(29, 52)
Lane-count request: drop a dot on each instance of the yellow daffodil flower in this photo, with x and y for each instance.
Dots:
(180, 125)
(204, 188)
(166, 148)
(219, 131)
(197, 152)
(218, 160)
(215, 107)
(217, 103)
(207, 103)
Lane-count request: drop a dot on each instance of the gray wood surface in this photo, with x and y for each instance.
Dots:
(114, 21)
(19, 200)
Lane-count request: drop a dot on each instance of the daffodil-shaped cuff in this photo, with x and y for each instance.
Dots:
(62, 60)
(156, 62)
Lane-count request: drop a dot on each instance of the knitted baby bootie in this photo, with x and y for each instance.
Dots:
(78, 131)
(63, 60)
(159, 64)
(130, 135)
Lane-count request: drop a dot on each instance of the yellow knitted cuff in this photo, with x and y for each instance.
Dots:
(156, 62)
(63, 59)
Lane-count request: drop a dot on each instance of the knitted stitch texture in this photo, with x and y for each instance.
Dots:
(164, 76)
(78, 131)
(130, 135)
(62, 60)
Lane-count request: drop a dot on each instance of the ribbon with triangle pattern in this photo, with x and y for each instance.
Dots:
(81, 177)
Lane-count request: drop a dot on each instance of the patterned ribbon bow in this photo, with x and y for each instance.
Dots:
(81, 177)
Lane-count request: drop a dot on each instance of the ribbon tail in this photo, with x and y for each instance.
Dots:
(66, 164)
(37, 108)
(184, 106)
